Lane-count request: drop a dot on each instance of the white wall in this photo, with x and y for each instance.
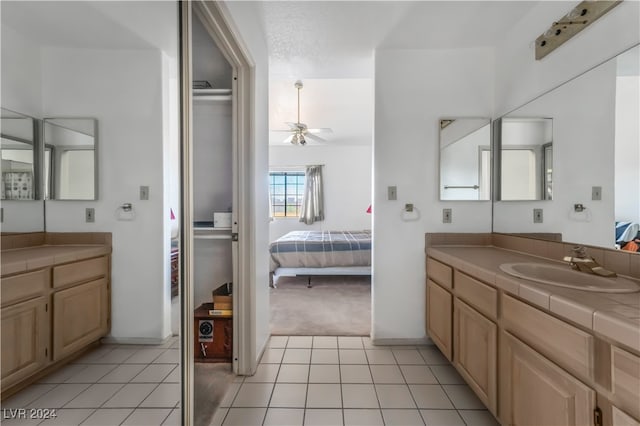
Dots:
(346, 177)
(627, 149)
(124, 91)
(245, 23)
(418, 87)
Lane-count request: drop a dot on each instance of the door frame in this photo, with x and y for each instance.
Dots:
(214, 20)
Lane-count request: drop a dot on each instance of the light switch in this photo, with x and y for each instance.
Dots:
(596, 193)
(144, 192)
(392, 193)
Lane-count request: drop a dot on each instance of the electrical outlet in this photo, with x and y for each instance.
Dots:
(90, 214)
(392, 193)
(596, 193)
(447, 216)
(144, 192)
(537, 215)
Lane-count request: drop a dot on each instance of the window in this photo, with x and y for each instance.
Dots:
(286, 190)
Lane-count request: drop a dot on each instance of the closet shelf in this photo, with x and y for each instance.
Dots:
(206, 231)
(220, 95)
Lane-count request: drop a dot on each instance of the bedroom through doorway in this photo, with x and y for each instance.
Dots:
(320, 177)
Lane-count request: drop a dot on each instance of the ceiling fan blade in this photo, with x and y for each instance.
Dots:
(320, 130)
(288, 139)
(314, 137)
(284, 131)
(296, 126)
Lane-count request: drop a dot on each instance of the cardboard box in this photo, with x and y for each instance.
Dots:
(222, 297)
(222, 219)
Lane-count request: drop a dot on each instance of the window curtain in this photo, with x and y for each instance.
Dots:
(312, 209)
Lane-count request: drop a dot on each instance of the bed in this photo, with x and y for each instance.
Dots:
(312, 253)
(628, 236)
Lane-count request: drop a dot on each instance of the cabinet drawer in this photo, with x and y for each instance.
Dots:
(80, 271)
(25, 286)
(622, 419)
(625, 380)
(564, 344)
(479, 295)
(439, 272)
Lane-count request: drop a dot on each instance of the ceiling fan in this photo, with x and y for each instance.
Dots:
(299, 131)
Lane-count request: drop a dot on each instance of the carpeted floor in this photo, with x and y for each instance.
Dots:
(334, 306)
(211, 381)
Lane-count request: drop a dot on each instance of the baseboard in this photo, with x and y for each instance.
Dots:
(402, 342)
(110, 340)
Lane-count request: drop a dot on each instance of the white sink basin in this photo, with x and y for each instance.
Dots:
(564, 276)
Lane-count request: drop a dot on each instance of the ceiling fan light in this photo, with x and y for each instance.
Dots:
(294, 139)
(302, 140)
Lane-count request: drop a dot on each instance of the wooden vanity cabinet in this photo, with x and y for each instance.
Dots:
(25, 339)
(440, 318)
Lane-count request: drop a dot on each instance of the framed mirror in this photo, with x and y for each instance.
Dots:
(465, 159)
(70, 158)
(593, 183)
(20, 157)
(526, 159)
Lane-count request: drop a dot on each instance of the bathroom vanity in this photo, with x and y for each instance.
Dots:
(535, 354)
(55, 296)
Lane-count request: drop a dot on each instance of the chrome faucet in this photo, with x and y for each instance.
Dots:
(580, 261)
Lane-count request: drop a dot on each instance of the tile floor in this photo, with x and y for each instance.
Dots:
(329, 380)
(111, 385)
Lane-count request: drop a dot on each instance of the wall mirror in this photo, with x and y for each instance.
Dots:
(465, 159)
(594, 178)
(20, 177)
(70, 158)
(526, 159)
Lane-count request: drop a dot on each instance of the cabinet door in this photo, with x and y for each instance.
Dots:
(25, 340)
(80, 316)
(440, 317)
(534, 391)
(475, 356)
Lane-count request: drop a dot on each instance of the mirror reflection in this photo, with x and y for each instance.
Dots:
(465, 159)
(595, 178)
(70, 158)
(526, 153)
(18, 152)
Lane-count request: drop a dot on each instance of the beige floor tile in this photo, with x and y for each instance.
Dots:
(352, 356)
(297, 356)
(293, 373)
(144, 356)
(325, 342)
(147, 417)
(278, 342)
(289, 395)
(324, 356)
(478, 418)
(386, 374)
(284, 416)
(253, 395)
(170, 356)
(95, 355)
(324, 373)
(442, 418)
(153, 373)
(117, 356)
(366, 417)
(130, 395)
(301, 342)
(64, 373)
(350, 342)
(408, 356)
(463, 397)
(323, 417)
(265, 373)
(69, 417)
(359, 396)
(174, 418)
(59, 396)
(447, 375)
(395, 396)
(166, 395)
(123, 373)
(244, 416)
(368, 343)
(218, 416)
(108, 417)
(430, 396)
(174, 376)
(380, 356)
(394, 417)
(26, 396)
(433, 356)
(324, 395)
(91, 374)
(355, 374)
(230, 394)
(418, 374)
(272, 356)
(95, 395)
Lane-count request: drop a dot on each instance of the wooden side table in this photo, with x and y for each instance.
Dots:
(213, 335)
